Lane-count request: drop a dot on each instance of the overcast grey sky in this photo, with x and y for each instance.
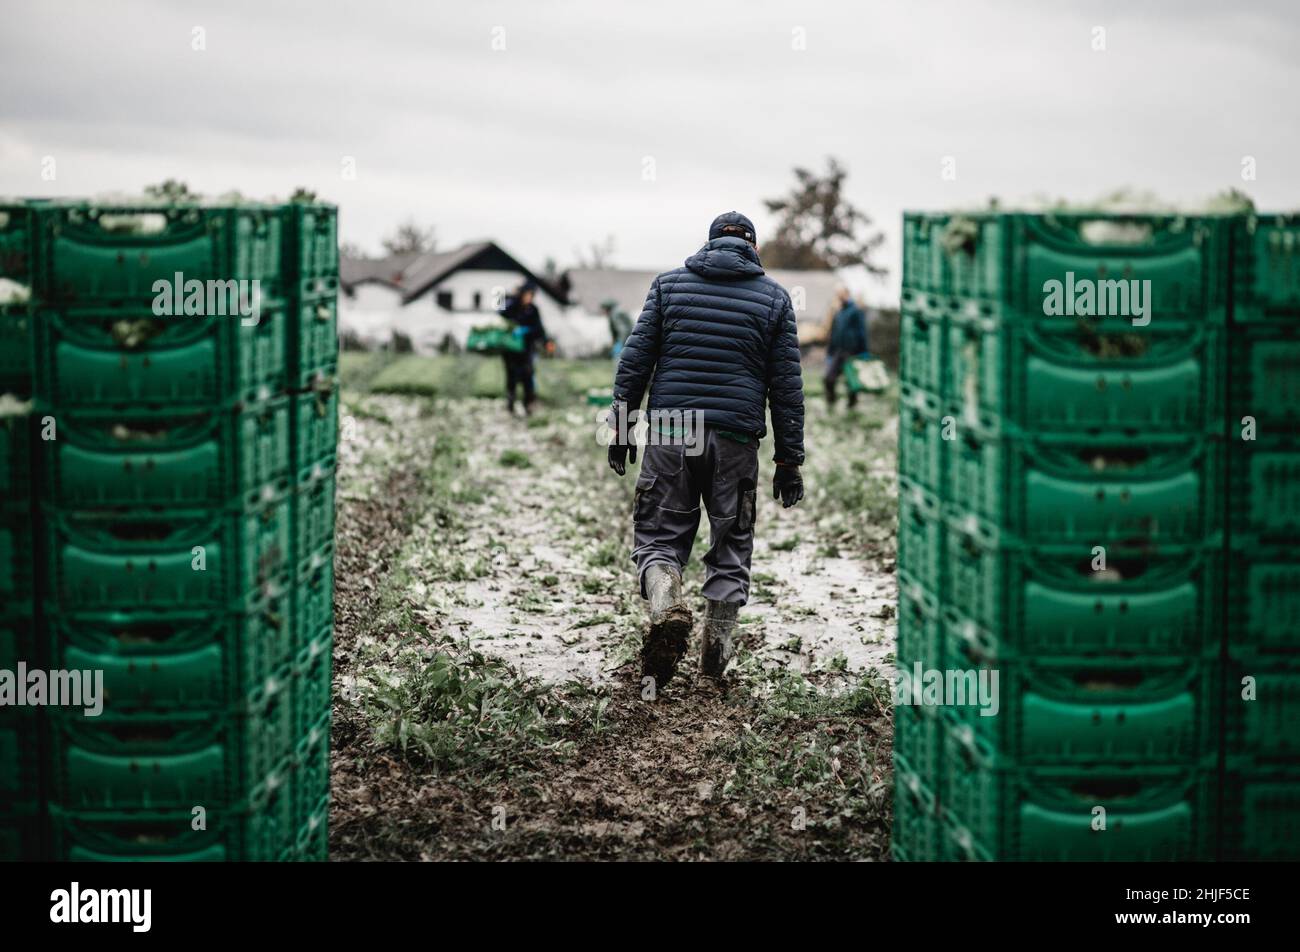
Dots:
(541, 145)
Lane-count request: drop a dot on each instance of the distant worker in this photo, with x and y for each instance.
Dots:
(620, 325)
(847, 340)
(520, 311)
(716, 345)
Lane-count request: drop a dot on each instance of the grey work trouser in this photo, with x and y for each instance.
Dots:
(666, 515)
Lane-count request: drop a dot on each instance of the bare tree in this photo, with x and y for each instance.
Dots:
(409, 238)
(818, 228)
(600, 255)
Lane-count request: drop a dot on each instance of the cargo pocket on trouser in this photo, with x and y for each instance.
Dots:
(748, 510)
(644, 504)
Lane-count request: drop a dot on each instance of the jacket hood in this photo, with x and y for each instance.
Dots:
(726, 258)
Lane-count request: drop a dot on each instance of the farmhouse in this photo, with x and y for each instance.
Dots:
(433, 299)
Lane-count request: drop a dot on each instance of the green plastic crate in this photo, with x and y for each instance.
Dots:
(315, 431)
(262, 830)
(920, 632)
(173, 759)
(313, 835)
(494, 340)
(1013, 600)
(974, 253)
(921, 550)
(918, 738)
(92, 256)
(1264, 480)
(313, 516)
(187, 662)
(231, 458)
(916, 817)
(922, 330)
(16, 364)
(1185, 259)
(312, 239)
(1094, 712)
(312, 681)
(1262, 730)
(1264, 379)
(15, 460)
(921, 451)
(1261, 815)
(1264, 607)
(924, 262)
(101, 360)
(16, 242)
(1267, 268)
(311, 772)
(1008, 257)
(1072, 376)
(149, 562)
(17, 641)
(996, 811)
(17, 578)
(1109, 489)
(20, 835)
(314, 333)
(19, 759)
(313, 606)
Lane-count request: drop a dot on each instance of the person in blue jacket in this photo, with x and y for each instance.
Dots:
(717, 348)
(520, 311)
(848, 339)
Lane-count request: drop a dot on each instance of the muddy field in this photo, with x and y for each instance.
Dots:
(487, 695)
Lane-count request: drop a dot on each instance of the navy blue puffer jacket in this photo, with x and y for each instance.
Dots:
(719, 337)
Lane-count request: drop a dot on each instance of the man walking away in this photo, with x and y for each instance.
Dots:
(520, 311)
(716, 343)
(848, 339)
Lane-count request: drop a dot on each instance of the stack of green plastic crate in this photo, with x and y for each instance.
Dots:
(1062, 482)
(20, 793)
(173, 360)
(1261, 793)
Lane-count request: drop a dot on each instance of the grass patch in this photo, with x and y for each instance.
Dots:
(824, 747)
(560, 382)
(514, 459)
(453, 708)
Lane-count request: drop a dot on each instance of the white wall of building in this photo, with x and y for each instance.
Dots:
(492, 287)
(375, 313)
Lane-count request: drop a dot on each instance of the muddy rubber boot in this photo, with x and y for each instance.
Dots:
(718, 644)
(670, 624)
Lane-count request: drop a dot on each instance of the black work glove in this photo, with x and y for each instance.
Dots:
(787, 484)
(619, 454)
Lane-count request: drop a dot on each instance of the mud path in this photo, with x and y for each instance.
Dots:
(516, 549)
(554, 590)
